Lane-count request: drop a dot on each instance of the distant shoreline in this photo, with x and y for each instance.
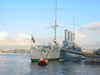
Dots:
(28, 51)
(15, 51)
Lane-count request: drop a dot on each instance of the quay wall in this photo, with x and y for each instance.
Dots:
(92, 58)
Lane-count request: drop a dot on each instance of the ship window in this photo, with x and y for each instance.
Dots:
(44, 52)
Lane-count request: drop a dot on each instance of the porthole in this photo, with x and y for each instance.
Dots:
(44, 52)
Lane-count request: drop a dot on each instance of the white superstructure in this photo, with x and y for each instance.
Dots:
(48, 52)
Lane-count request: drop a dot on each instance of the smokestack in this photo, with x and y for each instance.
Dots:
(69, 36)
(66, 35)
(72, 39)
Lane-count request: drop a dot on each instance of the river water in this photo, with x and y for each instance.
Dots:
(20, 64)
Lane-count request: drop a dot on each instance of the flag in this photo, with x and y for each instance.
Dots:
(33, 38)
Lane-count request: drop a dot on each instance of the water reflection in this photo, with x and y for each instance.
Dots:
(53, 67)
(36, 69)
(23, 66)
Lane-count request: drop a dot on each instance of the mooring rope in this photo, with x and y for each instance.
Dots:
(49, 54)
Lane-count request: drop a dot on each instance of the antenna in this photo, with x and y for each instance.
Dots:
(74, 25)
(56, 12)
(73, 29)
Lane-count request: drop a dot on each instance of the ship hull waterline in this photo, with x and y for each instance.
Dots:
(51, 59)
(50, 55)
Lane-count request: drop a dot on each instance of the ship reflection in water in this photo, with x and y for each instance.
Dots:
(20, 64)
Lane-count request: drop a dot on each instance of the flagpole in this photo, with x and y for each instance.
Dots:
(31, 40)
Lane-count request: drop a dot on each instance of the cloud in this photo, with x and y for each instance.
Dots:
(23, 40)
(3, 35)
(88, 36)
(85, 41)
(58, 24)
(46, 40)
(20, 39)
(92, 28)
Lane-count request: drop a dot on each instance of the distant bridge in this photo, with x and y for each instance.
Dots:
(75, 52)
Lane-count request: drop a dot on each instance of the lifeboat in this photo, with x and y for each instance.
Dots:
(43, 61)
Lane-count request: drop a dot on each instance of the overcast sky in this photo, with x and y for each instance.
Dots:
(21, 18)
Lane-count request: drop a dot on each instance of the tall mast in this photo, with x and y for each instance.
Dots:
(55, 17)
(73, 24)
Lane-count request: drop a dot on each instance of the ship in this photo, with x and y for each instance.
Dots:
(69, 44)
(50, 51)
(53, 51)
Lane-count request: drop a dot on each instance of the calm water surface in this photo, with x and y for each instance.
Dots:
(20, 64)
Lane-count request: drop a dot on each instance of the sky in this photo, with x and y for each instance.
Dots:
(19, 19)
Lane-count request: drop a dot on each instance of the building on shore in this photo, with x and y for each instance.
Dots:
(15, 51)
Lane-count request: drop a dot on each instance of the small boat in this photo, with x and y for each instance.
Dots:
(43, 61)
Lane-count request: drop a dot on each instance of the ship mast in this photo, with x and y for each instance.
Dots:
(73, 24)
(55, 18)
(55, 26)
